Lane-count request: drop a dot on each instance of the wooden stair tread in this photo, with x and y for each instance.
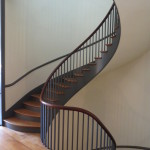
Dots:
(62, 85)
(18, 122)
(98, 57)
(32, 103)
(36, 95)
(110, 44)
(70, 79)
(85, 69)
(78, 74)
(57, 92)
(113, 36)
(26, 112)
(92, 63)
(104, 51)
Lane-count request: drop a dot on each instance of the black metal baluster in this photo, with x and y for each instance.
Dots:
(102, 42)
(109, 17)
(87, 142)
(67, 69)
(45, 124)
(101, 138)
(83, 55)
(80, 58)
(108, 41)
(115, 18)
(110, 28)
(41, 121)
(89, 50)
(51, 127)
(82, 131)
(58, 80)
(113, 22)
(77, 131)
(67, 129)
(58, 129)
(73, 61)
(92, 48)
(104, 138)
(53, 87)
(92, 134)
(110, 144)
(72, 128)
(96, 53)
(97, 136)
(86, 53)
(107, 141)
(105, 33)
(54, 128)
(56, 75)
(70, 65)
(63, 131)
(99, 37)
(76, 60)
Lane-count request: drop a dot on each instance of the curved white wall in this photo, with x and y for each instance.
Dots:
(135, 35)
(121, 99)
(38, 31)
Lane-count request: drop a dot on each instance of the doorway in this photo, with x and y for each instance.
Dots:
(0, 73)
(2, 64)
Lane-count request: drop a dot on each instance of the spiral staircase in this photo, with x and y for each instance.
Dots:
(63, 127)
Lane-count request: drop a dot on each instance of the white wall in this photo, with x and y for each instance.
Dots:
(38, 31)
(121, 99)
(135, 35)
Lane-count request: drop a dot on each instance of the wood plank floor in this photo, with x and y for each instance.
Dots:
(13, 140)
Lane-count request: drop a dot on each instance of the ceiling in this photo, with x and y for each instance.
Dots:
(135, 31)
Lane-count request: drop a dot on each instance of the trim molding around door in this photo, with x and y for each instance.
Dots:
(3, 56)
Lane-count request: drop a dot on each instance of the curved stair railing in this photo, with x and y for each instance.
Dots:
(59, 125)
(71, 128)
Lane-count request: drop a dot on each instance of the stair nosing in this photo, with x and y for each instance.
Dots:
(26, 103)
(25, 125)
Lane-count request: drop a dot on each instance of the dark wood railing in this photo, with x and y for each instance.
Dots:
(68, 128)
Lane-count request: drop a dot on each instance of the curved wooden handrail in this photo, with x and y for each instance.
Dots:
(82, 111)
(34, 69)
(42, 65)
(76, 49)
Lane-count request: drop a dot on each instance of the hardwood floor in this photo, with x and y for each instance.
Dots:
(13, 140)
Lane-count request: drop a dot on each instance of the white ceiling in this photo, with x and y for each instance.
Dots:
(135, 31)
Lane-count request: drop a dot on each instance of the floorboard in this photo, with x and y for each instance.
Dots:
(14, 140)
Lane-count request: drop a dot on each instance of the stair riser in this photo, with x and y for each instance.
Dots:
(27, 118)
(35, 98)
(35, 109)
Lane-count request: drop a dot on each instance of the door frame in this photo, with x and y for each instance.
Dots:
(3, 59)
